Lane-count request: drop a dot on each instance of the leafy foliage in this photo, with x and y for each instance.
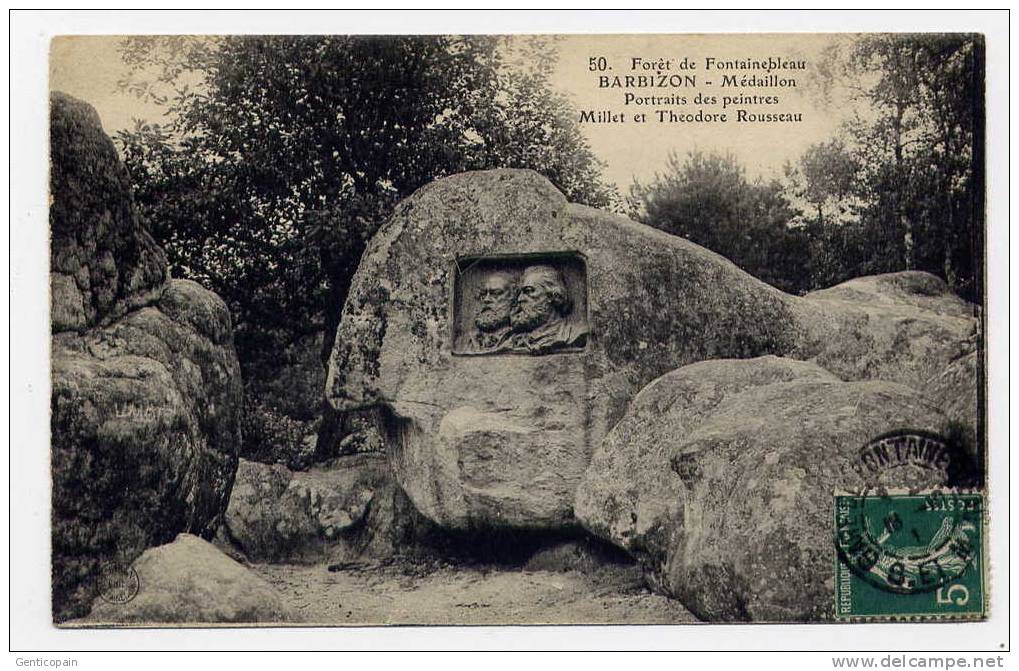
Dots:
(282, 156)
(899, 188)
(271, 436)
(906, 181)
(708, 199)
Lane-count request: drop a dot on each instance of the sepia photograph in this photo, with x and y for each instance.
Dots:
(547, 328)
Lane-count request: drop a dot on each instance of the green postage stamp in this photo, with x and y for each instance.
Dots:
(904, 556)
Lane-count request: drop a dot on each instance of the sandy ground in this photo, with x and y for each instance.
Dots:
(469, 595)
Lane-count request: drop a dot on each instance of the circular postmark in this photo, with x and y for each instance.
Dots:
(911, 542)
(117, 583)
(902, 532)
(915, 459)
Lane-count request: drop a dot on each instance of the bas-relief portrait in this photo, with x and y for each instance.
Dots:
(521, 305)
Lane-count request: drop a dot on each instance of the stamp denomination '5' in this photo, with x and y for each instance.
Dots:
(909, 555)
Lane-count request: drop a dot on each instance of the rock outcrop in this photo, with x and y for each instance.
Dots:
(497, 429)
(146, 387)
(904, 327)
(504, 440)
(955, 389)
(345, 510)
(103, 262)
(630, 494)
(189, 581)
(720, 480)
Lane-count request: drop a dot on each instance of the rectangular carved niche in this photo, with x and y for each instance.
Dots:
(530, 304)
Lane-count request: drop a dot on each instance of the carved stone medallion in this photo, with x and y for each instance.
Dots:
(520, 304)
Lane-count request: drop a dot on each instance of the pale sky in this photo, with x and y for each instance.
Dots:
(89, 68)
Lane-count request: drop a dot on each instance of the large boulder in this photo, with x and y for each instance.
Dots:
(145, 435)
(146, 390)
(958, 391)
(345, 510)
(720, 480)
(489, 429)
(630, 495)
(189, 581)
(955, 389)
(103, 262)
(503, 440)
(904, 327)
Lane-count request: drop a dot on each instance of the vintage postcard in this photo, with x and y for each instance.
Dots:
(464, 329)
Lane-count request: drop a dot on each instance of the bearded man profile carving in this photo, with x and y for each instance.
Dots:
(495, 302)
(540, 315)
(529, 315)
